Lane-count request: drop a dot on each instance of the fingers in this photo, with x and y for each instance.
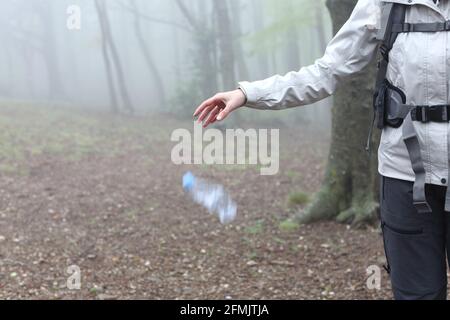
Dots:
(214, 109)
(206, 111)
(205, 104)
(224, 113)
(211, 102)
(212, 117)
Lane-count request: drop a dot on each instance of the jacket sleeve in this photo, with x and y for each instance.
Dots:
(352, 49)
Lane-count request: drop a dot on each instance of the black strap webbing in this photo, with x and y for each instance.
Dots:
(412, 144)
(421, 27)
(396, 14)
(383, 36)
(447, 195)
(392, 13)
(424, 114)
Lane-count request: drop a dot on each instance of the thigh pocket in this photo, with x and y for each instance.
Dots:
(395, 237)
(401, 224)
(404, 221)
(402, 230)
(415, 258)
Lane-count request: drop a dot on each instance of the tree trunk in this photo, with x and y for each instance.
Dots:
(227, 59)
(205, 42)
(349, 192)
(177, 52)
(103, 15)
(320, 25)
(322, 110)
(107, 61)
(50, 47)
(293, 47)
(258, 25)
(151, 65)
(242, 70)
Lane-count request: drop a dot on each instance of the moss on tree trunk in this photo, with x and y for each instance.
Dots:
(349, 192)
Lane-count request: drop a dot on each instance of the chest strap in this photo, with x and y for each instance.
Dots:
(424, 114)
(421, 27)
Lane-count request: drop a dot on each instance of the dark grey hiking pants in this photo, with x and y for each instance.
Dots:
(415, 244)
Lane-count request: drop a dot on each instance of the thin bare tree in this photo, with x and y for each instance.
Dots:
(109, 72)
(242, 69)
(154, 71)
(109, 47)
(225, 41)
(49, 47)
(205, 44)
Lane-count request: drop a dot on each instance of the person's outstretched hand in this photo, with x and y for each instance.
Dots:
(219, 107)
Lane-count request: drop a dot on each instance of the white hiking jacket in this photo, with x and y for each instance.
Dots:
(419, 65)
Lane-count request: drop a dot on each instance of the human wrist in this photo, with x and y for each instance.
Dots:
(244, 93)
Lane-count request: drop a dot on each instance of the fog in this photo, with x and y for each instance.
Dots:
(92, 94)
(163, 55)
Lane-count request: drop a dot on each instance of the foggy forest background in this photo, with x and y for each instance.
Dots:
(86, 179)
(143, 56)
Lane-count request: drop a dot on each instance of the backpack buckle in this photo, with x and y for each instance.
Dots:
(447, 25)
(445, 114)
(424, 115)
(408, 27)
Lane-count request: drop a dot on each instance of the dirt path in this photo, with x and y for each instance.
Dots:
(118, 212)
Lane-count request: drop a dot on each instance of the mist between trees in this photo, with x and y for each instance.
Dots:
(143, 56)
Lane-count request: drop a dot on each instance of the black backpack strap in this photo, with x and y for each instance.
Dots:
(392, 14)
(395, 15)
(412, 145)
(421, 27)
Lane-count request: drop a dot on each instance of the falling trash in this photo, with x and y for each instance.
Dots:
(212, 196)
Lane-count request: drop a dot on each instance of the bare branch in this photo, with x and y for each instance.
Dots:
(153, 19)
(188, 15)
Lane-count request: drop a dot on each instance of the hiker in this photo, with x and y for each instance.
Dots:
(411, 105)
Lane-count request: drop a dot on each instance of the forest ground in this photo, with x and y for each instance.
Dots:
(100, 192)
